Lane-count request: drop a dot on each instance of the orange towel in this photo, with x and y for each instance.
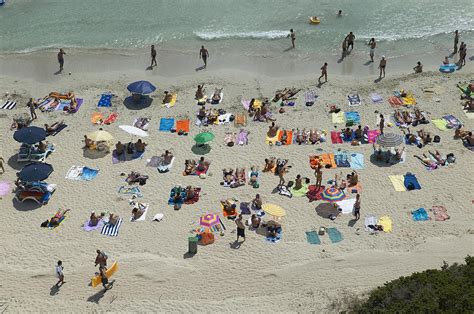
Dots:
(289, 137)
(182, 125)
(97, 118)
(324, 159)
(240, 119)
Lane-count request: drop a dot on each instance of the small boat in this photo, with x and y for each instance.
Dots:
(314, 20)
(2, 2)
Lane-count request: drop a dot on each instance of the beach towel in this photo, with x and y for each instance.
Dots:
(352, 118)
(440, 213)
(314, 193)
(440, 124)
(141, 123)
(166, 124)
(87, 227)
(346, 206)
(172, 101)
(51, 227)
(79, 104)
(411, 182)
(301, 192)
(420, 214)
(386, 223)
(310, 97)
(323, 159)
(225, 118)
(357, 161)
(8, 105)
(183, 125)
(283, 190)
(195, 199)
(272, 140)
(81, 173)
(452, 122)
(372, 136)
(353, 100)
(171, 200)
(274, 239)
(128, 190)
(62, 104)
(370, 220)
(398, 183)
(409, 100)
(338, 118)
(105, 100)
(111, 230)
(246, 104)
(336, 137)
(61, 127)
(289, 137)
(111, 118)
(312, 237)
(4, 188)
(395, 101)
(162, 168)
(376, 98)
(143, 216)
(342, 159)
(334, 235)
(242, 138)
(240, 119)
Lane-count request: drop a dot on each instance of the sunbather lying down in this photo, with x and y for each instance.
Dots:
(136, 177)
(285, 94)
(51, 129)
(56, 219)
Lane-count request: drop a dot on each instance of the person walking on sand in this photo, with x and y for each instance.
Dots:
(292, 35)
(240, 228)
(382, 65)
(60, 273)
(356, 210)
(324, 73)
(101, 259)
(456, 40)
(372, 45)
(204, 54)
(61, 54)
(32, 105)
(382, 123)
(103, 278)
(462, 54)
(153, 57)
(350, 40)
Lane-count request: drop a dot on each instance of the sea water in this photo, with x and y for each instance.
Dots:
(244, 27)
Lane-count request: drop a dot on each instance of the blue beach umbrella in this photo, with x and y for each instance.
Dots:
(30, 135)
(141, 87)
(35, 171)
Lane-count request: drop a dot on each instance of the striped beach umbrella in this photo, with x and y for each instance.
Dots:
(209, 220)
(273, 210)
(332, 194)
(389, 140)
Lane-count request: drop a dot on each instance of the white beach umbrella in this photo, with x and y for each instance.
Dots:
(133, 130)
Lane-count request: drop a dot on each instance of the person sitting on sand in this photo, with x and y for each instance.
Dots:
(140, 146)
(239, 177)
(257, 202)
(468, 105)
(298, 183)
(202, 164)
(167, 98)
(314, 136)
(418, 68)
(272, 130)
(253, 176)
(347, 133)
(284, 137)
(255, 221)
(446, 61)
(200, 92)
(88, 143)
(50, 129)
(353, 178)
(228, 176)
(407, 117)
(425, 136)
(167, 158)
(412, 138)
(73, 105)
(113, 219)
(119, 148)
(216, 97)
(190, 167)
(399, 117)
(420, 117)
(281, 166)
(469, 139)
(358, 133)
(459, 133)
(137, 211)
(273, 228)
(269, 164)
(377, 151)
(94, 220)
(300, 136)
(190, 193)
(202, 113)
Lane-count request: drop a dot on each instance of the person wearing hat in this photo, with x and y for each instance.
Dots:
(382, 65)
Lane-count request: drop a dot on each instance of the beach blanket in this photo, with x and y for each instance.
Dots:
(301, 192)
(386, 223)
(272, 140)
(195, 199)
(242, 138)
(88, 227)
(171, 200)
(370, 220)
(395, 101)
(128, 190)
(125, 156)
(289, 137)
(372, 136)
(352, 118)
(353, 100)
(452, 122)
(312, 237)
(183, 125)
(420, 214)
(346, 206)
(411, 182)
(334, 235)
(79, 104)
(141, 123)
(8, 105)
(314, 194)
(336, 137)
(81, 173)
(357, 161)
(4, 188)
(398, 183)
(342, 159)
(172, 101)
(324, 159)
(111, 230)
(224, 118)
(214, 102)
(246, 104)
(51, 227)
(240, 119)
(162, 168)
(440, 124)
(166, 124)
(274, 239)
(310, 97)
(409, 100)
(283, 190)
(338, 118)
(143, 216)
(440, 213)
(111, 118)
(105, 100)
(376, 98)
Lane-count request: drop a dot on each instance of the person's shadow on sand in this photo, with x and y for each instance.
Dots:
(54, 290)
(58, 72)
(352, 222)
(95, 298)
(320, 84)
(200, 68)
(235, 245)
(368, 63)
(288, 49)
(149, 68)
(378, 80)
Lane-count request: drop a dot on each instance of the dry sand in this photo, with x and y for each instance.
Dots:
(289, 276)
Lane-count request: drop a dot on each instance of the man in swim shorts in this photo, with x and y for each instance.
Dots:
(153, 57)
(382, 65)
(350, 40)
(204, 54)
(292, 35)
(372, 45)
(324, 72)
(61, 54)
(456, 40)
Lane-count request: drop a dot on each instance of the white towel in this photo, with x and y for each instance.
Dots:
(164, 168)
(346, 206)
(142, 217)
(111, 230)
(74, 173)
(370, 220)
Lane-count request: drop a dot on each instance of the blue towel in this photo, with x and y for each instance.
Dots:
(411, 183)
(352, 117)
(245, 208)
(341, 158)
(173, 193)
(312, 237)
(105, 100)
(357, 161)
(334, 235)
(348, 138)
(274, 239)
(88, 173)
(166, 124)
(420, 215)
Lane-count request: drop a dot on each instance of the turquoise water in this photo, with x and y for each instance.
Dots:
(243, 27)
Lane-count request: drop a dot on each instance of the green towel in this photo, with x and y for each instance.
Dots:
(312, 237)
(440, 124)
(334, 235)
(300, 192)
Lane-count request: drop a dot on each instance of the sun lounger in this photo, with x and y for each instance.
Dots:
(40, 157)
(420, 214)
(312, 237)
(111, 230)
(8, 105)
(105, 100)
(334, 235)
(39, 197)
(354, 100)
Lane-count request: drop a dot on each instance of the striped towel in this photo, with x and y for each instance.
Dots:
(112, 230)
(9, 105)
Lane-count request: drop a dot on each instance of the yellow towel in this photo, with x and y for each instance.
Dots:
(272, 140)
(338, 118)
(172, 102)
(409, 100)
(398, 183)
(386, 223)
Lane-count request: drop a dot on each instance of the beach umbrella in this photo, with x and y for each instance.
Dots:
(332, 194)
(273, 210)
(204, 137)
(36, 171)
(133, 130)
(100, 136)
(141, 87)
(30, 135)
(389, 140)
(209, 220)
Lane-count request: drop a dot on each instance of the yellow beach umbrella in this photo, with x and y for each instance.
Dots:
(100, 136)
(273, 210)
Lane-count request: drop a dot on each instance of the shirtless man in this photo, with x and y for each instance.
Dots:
(292, 35)
(382, 66)
(257, 202)
(113, 219)
(357, 207)
(298, 182)
(204, 54)
(199, 92)
(462, 54)
(456, 40)
(167, 157)
(140, 146)
(61, 54)
(168, 97)
(324, 73)
(272, 130)
(101, 259)
(88, 142)
(350, 40)
(32, 105)
(382, 123)
(119, 148)
(153, 56)
(319, 176)
(418, 68)
(372, 45)
(269, 164)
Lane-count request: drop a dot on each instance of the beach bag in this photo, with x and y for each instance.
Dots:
(436, 139)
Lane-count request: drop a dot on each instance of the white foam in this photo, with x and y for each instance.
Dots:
(273, 34)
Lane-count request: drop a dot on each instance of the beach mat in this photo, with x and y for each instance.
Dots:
(420, 214)
(314, 194)
(312, 237)
(272, 140)
(440, 213)
(338, 118)
(289, 137)
(441, 124)
(398, 183)
(386, 223)
(105, 100)
(8, 105)
(183, 125)
(112, 231)
(336, 137)
(86, 226)
(346, 206)
(411, 182)
(334, 235)
(301, 192)
(143, 216)
(166, 124)
(357, 161)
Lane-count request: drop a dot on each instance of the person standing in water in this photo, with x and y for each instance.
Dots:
(456, 40)
(153, 57)
(61, 54)
(324, 73)
(344, 49)
(372, 45)
(204, 54)
(350, 40)
(292, 35)
(339, 14)
(382, 65)
(462, 54)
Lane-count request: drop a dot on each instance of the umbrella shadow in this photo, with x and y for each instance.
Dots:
(13, 163)
(384, 162)
(94, 154)
(26, 205)
(326, 209)
(201, 149)
(137, 104)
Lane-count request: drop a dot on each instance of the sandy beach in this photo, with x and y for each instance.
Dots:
(156, 274)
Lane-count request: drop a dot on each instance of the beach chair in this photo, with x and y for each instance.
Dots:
(40, 197)
(24, 153)
(41, 157)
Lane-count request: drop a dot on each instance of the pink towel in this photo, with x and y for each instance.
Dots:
(372, 136)
(336, 137)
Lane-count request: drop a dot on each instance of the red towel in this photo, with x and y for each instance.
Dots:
(336, 137)
(314, 194)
